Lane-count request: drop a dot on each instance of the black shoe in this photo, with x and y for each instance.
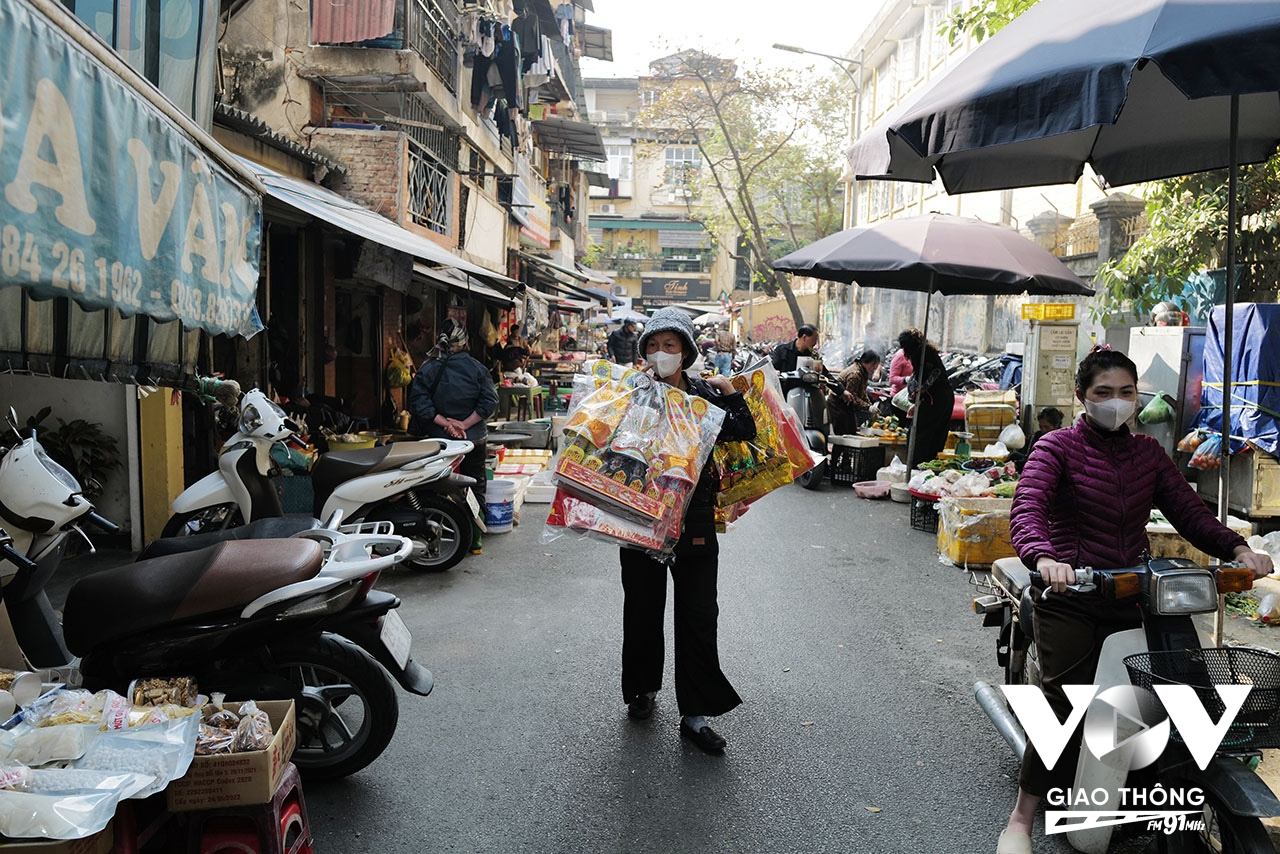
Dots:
(640, 708)
(706, 739)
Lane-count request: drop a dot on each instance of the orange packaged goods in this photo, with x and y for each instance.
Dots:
(777, 455)
(630, 457)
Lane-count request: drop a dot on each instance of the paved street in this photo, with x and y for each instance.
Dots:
(853, 647)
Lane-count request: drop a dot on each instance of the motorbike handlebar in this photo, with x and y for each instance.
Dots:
(102, 522)
(16, 557)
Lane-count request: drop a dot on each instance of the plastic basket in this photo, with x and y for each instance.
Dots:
(924, 513)
(854, 465)
(1258, 723)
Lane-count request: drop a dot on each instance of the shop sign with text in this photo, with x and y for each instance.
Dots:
(105, 200)
(662, 290)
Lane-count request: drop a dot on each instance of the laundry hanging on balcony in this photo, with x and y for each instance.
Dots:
(344, 23)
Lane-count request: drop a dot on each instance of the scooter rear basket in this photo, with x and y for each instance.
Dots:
(1258, 723)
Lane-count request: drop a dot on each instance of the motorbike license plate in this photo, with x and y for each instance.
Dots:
(395, 637)
(476, 512)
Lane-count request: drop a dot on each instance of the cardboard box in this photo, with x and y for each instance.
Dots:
(101, 842)
(974, 532)
(1166, 542)
(239, 779)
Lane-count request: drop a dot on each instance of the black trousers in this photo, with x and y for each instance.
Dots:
(473, 466)
(701, 687)
(1070, 629)
(933, 423)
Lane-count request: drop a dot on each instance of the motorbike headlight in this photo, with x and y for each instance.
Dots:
(63, 476)
(1193, 592)
(809, 376)
(250, 419)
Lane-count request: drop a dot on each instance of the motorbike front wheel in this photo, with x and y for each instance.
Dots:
(1227, 833)
(202, 521)
(812, 479)
(346, 704)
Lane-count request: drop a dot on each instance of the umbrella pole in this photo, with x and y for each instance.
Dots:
(924, 348)
(1228, 345)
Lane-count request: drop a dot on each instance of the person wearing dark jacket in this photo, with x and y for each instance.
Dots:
(850, 407)
(702, 689)
(623, 344)
(785, 356)
(1084, 499)
(453, 396)
(931, 396)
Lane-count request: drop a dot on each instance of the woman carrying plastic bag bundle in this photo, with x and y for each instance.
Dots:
(668, 348)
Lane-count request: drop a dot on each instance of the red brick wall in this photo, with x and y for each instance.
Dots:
(375, 162)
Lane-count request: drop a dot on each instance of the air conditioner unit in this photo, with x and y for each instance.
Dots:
(608, 210)
(619, 290)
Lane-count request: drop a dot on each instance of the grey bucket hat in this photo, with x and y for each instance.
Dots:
(672, 320)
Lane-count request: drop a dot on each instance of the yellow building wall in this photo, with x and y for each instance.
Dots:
(160, 444)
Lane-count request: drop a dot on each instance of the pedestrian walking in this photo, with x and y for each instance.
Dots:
(1084, 499)
(726, 344)
(623, 344)
(702, 690)
(452, 396)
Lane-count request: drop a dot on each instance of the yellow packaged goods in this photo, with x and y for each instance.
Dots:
(974, 531)
(777, 455)
(633, 448)
(236, 779)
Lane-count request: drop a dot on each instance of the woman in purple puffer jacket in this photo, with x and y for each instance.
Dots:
(1084, 499)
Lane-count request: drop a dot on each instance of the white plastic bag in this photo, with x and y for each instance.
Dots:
(1013, 438)
(902, 400)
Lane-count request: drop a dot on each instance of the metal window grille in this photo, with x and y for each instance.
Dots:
(432, 24)
(429, 188)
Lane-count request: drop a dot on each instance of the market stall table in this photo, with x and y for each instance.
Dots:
(526, 399)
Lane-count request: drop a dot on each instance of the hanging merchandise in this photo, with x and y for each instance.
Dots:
(1208, 454)
(399, 370)
(487, 333)
(630, 457)
(1158, 411)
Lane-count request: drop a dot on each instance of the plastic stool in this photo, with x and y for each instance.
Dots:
(279, 827)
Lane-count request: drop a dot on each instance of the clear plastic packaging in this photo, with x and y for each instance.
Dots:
(1269, 608)
(55, 815)
(163, 751)
(254, 731)
(630, 457)
(38, 745)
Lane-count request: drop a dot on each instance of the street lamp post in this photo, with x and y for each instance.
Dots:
(855, 121)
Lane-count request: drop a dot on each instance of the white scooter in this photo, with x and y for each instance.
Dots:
(295, 618)
(1166, 651)
(413, 485)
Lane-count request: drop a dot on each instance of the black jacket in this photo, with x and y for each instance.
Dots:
(624, 346)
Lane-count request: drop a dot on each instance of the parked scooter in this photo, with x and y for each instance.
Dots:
(805, 391)
(268, 619)
(413, 485)
(1167, 650)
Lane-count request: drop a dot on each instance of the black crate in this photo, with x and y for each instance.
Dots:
(854, 465)
(924, 515)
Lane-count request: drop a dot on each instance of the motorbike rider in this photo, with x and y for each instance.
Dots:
(453, 396)
(1066, 515)
(849, 405)
(786, 356)
(701, 686)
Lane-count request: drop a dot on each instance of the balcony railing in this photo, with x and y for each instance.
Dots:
(430, 189)
(632, 264)
(432, 24)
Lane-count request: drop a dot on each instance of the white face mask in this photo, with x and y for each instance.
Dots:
(665, 364)
(1110, 414)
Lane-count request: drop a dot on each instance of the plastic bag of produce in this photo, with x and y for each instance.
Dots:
(1012, 437)
(1208, 454)
(902, 400)
(1158, 411)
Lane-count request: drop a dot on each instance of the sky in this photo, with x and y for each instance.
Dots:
(644, 30)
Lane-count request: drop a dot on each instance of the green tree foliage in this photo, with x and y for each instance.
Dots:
(770, 146)
(983, 19)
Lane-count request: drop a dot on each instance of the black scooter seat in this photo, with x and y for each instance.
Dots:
(337, 467)
(144, 596)
(263, 529)
(1013, 575)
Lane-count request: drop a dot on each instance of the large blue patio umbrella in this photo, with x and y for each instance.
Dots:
(1139, 89)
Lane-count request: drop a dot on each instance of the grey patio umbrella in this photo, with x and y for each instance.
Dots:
(1141, 89)
(936, 253)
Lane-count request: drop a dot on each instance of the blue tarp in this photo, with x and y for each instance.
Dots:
(1255, 363)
